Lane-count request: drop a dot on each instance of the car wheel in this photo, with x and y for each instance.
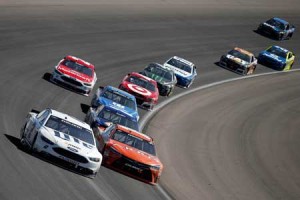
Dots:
(32, 149)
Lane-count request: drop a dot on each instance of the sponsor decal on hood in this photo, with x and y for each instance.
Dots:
(138, 89)
(273, 56)
(135, 154)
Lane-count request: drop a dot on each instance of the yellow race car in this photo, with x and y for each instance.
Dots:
(277, 58)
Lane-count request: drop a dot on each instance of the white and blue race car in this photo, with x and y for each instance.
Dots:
(62, 138)
(185, 71)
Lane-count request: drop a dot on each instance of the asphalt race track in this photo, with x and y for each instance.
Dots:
(233, 141)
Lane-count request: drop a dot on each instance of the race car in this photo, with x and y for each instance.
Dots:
(142, 87)
(104, 115)
(239, 60)
(165, 78)
(62, 137)
(277, 28)
(129, 152)
(184, 70)
(75, 73)
(277, 58)
(119, 99)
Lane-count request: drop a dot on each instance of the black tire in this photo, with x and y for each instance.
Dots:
(32, 150)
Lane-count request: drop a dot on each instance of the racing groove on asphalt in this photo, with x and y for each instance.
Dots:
(122, 38)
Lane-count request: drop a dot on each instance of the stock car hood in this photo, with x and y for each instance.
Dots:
(140, 90)
(74, 74)
(237, 60)
(178, 71)
(109, 103)
(271, 56)
(135, 154)
(68, 142)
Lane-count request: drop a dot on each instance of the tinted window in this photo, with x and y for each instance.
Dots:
(158, 73)
(71, 129)
(78, 67)
(277, 52)
(117, 118)
(276, 23)
(120, 99)
(180, 65)
(134, 142)
(240, 55)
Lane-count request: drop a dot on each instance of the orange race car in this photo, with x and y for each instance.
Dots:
(130, 152)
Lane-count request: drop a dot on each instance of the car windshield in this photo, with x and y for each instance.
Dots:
(117, 118)
(70, 128)
(134, 142)
(119, 98)
(141, 82)
(277, 52)
(78, 67)
(276, 23)
(180, 65)
(240, 55)
(158, 73)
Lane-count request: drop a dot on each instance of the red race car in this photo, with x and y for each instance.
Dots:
(75, 73)
(143, 88)
(129, 152)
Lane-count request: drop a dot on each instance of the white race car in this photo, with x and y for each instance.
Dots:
(58, 135)
(184, 70)
(75, 73)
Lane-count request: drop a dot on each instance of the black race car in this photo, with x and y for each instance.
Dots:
(165, 78)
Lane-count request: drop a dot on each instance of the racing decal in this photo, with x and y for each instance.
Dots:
(87, 146)
(273, 56)
(178, 71)
(273, 27)
(139, 89)
(64, 137)
(76, 140)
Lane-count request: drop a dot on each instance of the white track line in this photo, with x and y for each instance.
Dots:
(149, 115)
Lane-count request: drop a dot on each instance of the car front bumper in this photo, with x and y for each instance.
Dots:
(65, 156)
(70, 82)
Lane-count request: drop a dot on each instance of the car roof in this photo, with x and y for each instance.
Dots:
(142, 76)
(80, 61)
(69, 118)
(134, 132)
(280, 20)
(183, 60)
(243, 51)
(117, 90)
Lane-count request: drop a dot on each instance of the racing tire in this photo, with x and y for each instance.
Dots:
(32, 149)
(280, 37)
(291, 66)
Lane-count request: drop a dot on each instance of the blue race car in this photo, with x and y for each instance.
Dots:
(277, 28)
(102, 117)
(277, 58)
(116, 98)
(184, 70)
